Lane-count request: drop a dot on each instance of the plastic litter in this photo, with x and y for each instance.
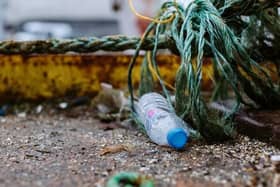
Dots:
(3, 110)
(129, 179)
(161, 123)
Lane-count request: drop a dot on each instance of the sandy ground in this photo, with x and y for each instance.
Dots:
(78, 150)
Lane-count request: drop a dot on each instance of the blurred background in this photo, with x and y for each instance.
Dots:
(43, 19)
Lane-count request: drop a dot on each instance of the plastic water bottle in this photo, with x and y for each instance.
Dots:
(162, 125)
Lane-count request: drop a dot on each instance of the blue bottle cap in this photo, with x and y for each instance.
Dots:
(177, 138)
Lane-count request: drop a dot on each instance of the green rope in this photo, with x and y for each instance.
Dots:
(132, 64)
(200, 30)
(129, 180)
(230, 8)
(83, 45)
(147, 80)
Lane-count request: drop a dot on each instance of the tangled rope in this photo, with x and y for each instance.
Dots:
(199, 30)
(83, 45)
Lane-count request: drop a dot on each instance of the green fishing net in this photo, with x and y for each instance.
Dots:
(238, 36)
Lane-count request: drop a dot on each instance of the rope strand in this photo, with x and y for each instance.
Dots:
(149, 18)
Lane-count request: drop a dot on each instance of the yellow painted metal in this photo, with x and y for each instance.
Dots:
(48, 76)
(38, 77)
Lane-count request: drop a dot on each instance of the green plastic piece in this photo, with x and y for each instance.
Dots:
(129, 179)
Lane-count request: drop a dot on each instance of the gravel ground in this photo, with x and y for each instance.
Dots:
(78, 150)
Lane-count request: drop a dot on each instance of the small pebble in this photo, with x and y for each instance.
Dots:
(3, 120)
(63, 105)
(2, 112)
(275, 159)
(39, 109)
(21, 115)
(153, 161)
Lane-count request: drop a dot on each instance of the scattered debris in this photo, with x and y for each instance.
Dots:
(104, 117)
(114, 149)
(2, 113)
(41, 151)
(39, 109)
(129, 179)
(22, 115)
(193, 183)
(110, 126)
(110, 104)
(63, 105)
(109, 100)
(83, 100)
(275, 159)
(3, 110)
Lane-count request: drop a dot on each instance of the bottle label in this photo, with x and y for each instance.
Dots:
(152, 117)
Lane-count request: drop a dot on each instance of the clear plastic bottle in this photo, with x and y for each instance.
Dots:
(162, 125)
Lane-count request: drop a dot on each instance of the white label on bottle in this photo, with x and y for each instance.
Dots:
(153, 116)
